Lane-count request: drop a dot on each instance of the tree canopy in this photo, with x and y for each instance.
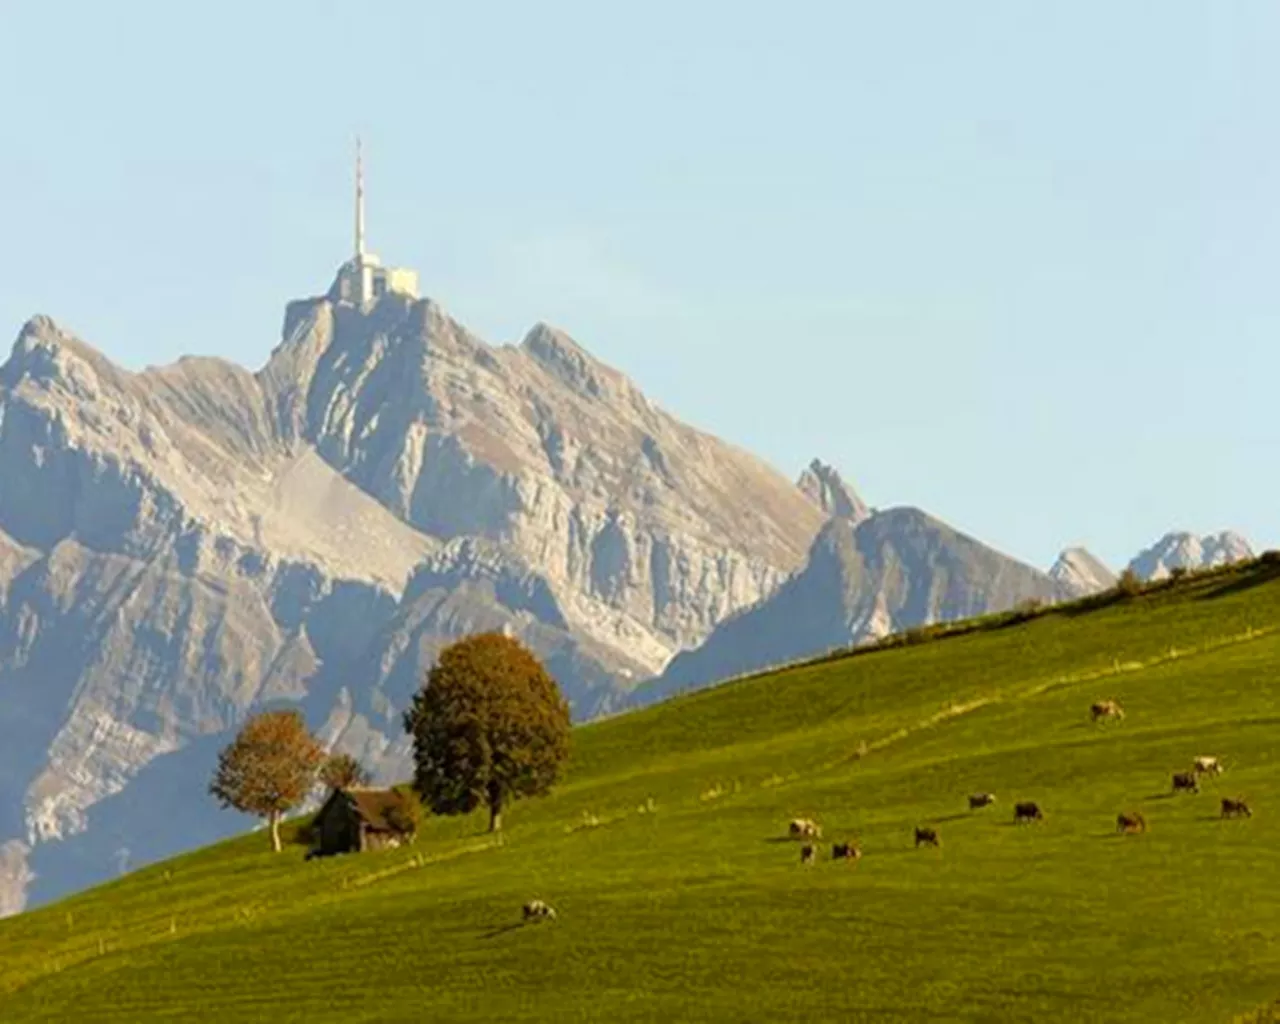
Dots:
(342, 771)
(269, 768)
(489, 726)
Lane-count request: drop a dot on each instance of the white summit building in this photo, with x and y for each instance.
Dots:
(363, 279)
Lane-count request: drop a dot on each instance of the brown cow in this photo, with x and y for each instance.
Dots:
(1186, 781)
(845, 851)
(1106, 709)
(807, 854)
(1028, 811)
(928, 836)
(1134, 822)
(1235, 808)
(981, 800)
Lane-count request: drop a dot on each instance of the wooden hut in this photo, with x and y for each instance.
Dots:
(358, 819)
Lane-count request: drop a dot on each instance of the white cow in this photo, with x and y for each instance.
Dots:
(1208, 766)
(536, 910)
(805, 828)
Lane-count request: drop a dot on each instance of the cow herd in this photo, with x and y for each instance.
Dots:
(1028, 811)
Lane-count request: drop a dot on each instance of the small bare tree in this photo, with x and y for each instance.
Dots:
(1128, 583)
(269, 768)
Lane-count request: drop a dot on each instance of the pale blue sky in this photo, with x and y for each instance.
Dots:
(1015, 263)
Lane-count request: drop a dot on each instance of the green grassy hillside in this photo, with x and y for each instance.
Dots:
(700, 909)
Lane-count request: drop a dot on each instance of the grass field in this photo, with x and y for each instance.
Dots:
(700, 909)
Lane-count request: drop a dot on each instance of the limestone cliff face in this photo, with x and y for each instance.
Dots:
(182, 546)
(654, 530)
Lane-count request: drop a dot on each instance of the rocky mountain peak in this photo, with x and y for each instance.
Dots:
(45, 352)
(823, 485)
(1184, 550)
(1080, 572)
(39, 331)
(568, 361)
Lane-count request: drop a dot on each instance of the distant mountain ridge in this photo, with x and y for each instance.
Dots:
(1181, 550)
(1080, 572)
(885, 572)
(895, 569)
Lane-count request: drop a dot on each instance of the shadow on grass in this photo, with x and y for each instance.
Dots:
(1255, 579)
(1090, 604)
(503, 930)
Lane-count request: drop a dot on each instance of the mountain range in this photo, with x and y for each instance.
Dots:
(187, 544)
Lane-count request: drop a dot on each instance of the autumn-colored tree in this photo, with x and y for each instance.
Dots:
(1128, 583)
(342, 771)
(489, 726)
(269, 768)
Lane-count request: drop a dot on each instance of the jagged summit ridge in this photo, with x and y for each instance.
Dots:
(898, 568)
(823, 485)
(1183, 550)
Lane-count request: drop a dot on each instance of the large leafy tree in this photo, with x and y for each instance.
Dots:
(269, 768)
(489, 726)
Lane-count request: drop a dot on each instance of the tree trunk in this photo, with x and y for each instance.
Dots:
(495, 808)
(275, 831)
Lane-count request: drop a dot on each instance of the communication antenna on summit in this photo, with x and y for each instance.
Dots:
(363, 279)
(359, 202)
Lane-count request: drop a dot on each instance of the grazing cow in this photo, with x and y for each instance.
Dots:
(928, 836)
(1106, 709)
(1028, 811)
(845, 851)
(807, 854)
(803, 828)
(981, 800)
(1187, 781)
(536, 910)
(1235, 808)
(1134, 822)
(1207, 766)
